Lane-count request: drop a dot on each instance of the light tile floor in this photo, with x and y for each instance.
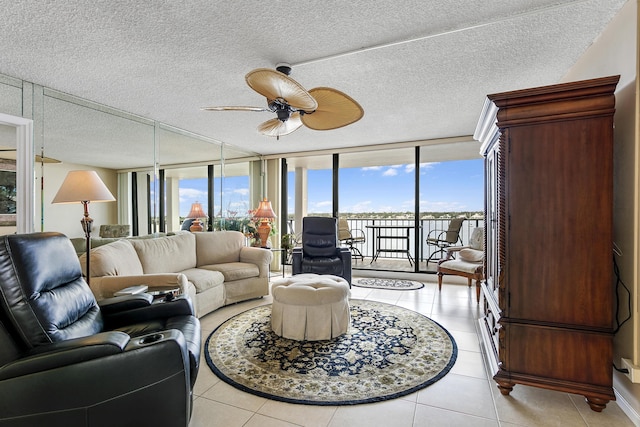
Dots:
(464, 397)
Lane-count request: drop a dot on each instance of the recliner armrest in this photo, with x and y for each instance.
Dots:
(112, 305)
(180, 306)
(296, 260)
(97, 391)
(64, 353)
(345, 255)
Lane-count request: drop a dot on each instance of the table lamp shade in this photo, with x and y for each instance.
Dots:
(83, 186)
(265, 210)
(196, 213)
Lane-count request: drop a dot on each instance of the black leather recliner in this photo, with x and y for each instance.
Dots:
(321, 252)
(67, 360)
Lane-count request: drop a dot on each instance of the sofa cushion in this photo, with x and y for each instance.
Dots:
(471, 255)
(218, 247)
(203, 279)
(234, 270)
(170, 254)
(117, 258)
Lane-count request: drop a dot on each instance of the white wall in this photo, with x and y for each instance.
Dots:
(616, 52)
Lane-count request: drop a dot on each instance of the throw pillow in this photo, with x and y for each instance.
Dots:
(471, 255)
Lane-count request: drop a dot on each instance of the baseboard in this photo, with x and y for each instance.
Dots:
(625, 400)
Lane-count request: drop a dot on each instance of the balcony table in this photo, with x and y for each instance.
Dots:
(379, 237)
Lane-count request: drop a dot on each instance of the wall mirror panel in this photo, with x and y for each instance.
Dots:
(126, 150)
(79, 134)
(16, 198)
(10, 96)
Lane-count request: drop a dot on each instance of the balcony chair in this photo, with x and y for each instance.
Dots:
(320, 252)
(351, 238)
(66, 360)
(469, 262)
(442, 239)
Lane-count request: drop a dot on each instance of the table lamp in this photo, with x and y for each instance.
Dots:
(265, 214)
(196, 213)
(84, 186)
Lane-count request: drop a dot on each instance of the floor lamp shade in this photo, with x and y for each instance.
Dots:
(84, 186)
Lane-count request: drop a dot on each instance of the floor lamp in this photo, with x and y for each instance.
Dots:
(84, 186)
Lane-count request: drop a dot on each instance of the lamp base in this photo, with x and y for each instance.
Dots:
(264, 229)
(196, 225)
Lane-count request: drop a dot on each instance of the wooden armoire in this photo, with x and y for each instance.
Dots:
(548, 293)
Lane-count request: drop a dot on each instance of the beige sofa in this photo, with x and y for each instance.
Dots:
(213, 268)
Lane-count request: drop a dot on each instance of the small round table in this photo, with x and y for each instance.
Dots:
(164, 293)
(310, 307)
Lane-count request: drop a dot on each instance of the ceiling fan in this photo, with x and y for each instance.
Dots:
(321, 108)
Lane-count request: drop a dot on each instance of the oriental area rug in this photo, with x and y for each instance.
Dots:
(388, 352)
(394, 284)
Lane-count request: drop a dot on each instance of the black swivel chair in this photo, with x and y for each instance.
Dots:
(67, 360)
(321, 252)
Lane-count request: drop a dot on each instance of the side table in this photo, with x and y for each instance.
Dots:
(164, 293)
(283, 260)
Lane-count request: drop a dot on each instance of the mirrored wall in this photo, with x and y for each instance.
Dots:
(129, 152)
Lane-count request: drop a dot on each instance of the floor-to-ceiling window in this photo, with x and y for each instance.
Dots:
(451, 186)
(226, 188)
(310, 184)
(394, 196)
(376, 194)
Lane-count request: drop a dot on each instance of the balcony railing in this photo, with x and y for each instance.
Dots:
(396, 244)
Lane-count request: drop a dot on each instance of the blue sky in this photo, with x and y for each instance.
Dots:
(445, 187)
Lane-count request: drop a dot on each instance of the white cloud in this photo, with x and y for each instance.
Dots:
(390, 172)
(364, 206)
(435, 206)
(188, 194)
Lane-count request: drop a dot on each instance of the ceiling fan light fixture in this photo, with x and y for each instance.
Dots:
(283, 114)
(284, 68)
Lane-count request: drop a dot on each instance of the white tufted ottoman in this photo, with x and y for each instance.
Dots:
(310, 307)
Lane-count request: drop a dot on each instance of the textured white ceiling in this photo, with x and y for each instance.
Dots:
(420, 68)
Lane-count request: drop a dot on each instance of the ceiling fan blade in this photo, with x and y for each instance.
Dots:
(335, 110)
(234, 108)
(273, 84)
(277, 128)
(38, 158)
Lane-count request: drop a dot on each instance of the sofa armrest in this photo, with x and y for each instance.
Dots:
(258, 256)
(105, 286)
